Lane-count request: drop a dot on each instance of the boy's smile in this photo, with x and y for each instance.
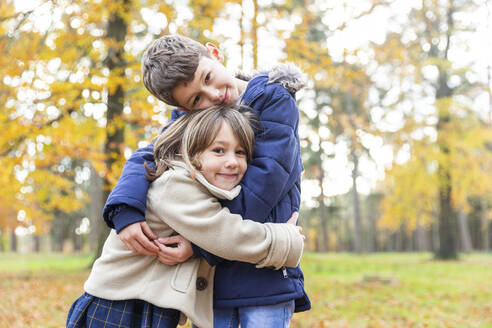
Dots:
(212, 85)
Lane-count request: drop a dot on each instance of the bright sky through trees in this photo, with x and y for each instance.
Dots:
(477, 52)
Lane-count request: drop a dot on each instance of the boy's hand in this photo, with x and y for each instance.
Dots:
(293, 221)
(173, 249)
(138, 237)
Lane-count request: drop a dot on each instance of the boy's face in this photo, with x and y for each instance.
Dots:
(212, 85)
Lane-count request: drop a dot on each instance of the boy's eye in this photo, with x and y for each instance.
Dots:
(195, 101)
(241, 153)
(218, 150)
(207, 77)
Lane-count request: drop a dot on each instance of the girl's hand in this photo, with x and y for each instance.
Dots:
(293, 221)
(173, 250)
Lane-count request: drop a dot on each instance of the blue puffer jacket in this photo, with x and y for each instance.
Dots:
(270, 192)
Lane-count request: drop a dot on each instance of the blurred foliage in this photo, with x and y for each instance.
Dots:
(73, 102)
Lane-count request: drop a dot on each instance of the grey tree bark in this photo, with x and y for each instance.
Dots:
(116, 32)
(466, 245)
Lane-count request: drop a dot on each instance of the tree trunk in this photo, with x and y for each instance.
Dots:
(323, 213)
(420, 237)
(373, 204)
(403, 240)
(484, 224)
(254, 35)
(76, 237)
(36, 243)
(447, 221)
(58, 231)
(95, 208)
(394, 240)
(13, 241)
(465, 239)
(356, 206)
(372, 243)
(243, 37)
(348, 235)
(116, 33)
(2, 240)
(339, 247)
(324, 225)
(447, 218)
(434, 237)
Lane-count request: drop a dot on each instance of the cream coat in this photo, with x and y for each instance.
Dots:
(178, 204)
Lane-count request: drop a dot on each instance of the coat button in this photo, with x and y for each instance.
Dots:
(201, 283)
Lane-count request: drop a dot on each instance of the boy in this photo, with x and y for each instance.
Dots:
(183, 73)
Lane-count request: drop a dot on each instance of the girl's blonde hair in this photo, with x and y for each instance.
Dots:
(186, 138)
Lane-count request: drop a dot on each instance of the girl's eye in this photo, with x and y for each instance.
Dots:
(195, 101)
(241, 152)
(207, 77)
(218, 150)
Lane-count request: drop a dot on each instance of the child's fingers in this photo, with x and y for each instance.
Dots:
(167, 255)
(299, 229)
(293, 218)
(146, 230)
(158, 244)
(137, 247)
(179, 248)
(143, 242)
(166, 260)
(136, 241)
(171, 240)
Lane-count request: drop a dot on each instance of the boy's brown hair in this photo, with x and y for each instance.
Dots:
(186, 138)
(169, 60)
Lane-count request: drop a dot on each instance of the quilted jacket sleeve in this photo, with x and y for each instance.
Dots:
(126, 202)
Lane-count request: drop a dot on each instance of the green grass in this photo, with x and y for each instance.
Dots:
(36, 262)
(380, 290)
(397, 290)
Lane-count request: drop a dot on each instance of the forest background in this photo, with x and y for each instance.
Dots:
(395, 122)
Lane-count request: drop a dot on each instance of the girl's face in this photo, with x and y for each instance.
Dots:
(224, 161)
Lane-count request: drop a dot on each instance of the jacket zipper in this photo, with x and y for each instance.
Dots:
(284, 272)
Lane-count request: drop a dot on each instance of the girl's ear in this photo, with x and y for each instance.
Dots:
(214, 51)
(183, 109)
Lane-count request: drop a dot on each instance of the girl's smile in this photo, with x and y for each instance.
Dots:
(223, 163)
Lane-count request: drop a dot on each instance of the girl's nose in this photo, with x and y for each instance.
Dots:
(231, 161)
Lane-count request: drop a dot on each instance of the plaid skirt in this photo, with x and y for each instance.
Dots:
(93, 312)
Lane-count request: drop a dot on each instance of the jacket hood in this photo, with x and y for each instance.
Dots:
(287, 75)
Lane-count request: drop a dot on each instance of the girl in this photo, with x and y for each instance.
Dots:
(199, 158)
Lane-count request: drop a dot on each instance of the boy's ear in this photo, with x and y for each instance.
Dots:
(214, 51)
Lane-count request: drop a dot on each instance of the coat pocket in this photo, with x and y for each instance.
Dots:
(184, 274)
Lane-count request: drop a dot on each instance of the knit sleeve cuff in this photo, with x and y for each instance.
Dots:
(286, 248)
(125, 215)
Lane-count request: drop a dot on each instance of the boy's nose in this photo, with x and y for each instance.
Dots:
(213, 94)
